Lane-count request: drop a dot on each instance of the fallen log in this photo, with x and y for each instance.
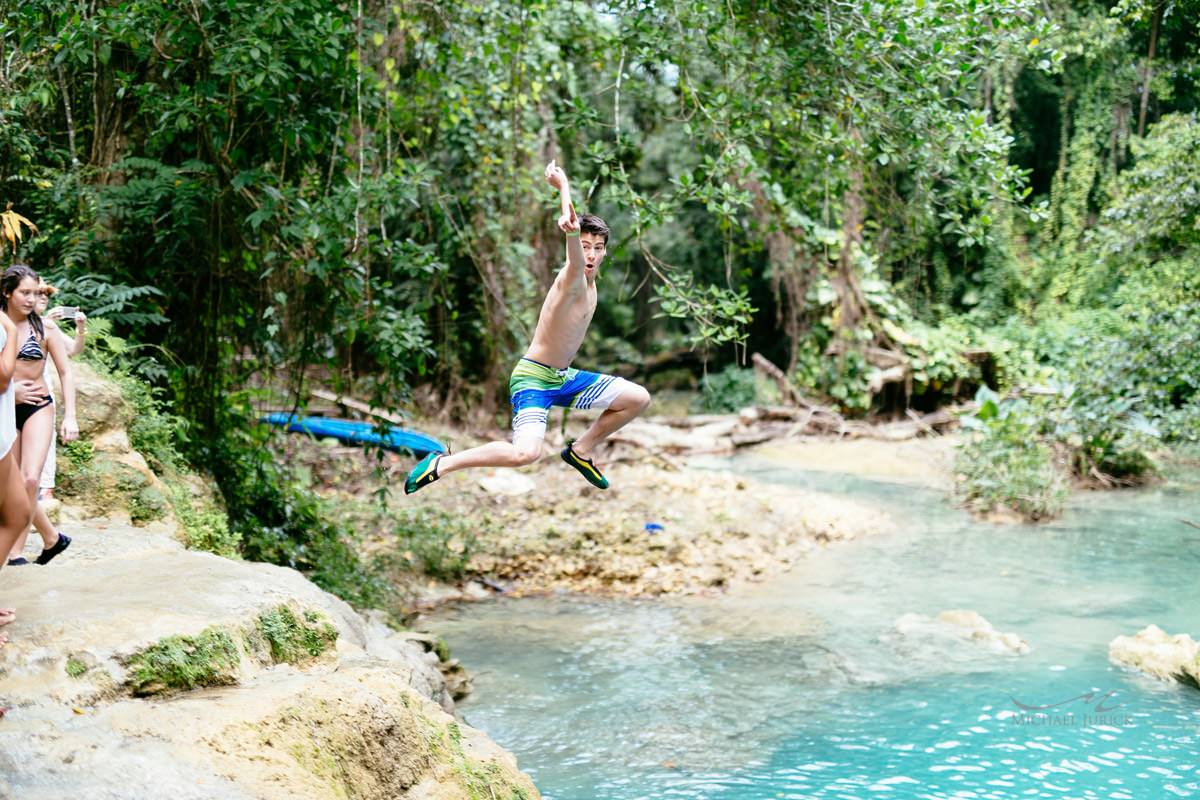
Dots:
(357, 405)
(790, 392)
(694, 421)
(881, 377)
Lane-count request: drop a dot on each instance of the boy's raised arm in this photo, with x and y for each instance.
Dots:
(568, 221)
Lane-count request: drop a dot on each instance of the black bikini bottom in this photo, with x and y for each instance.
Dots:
(27, 410)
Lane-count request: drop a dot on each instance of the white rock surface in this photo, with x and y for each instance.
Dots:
(366, 719)
(963, 624)
(1156, 652)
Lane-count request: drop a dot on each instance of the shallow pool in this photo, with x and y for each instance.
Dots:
(804, 688)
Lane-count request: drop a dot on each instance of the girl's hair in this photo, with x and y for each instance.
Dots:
(8, 284)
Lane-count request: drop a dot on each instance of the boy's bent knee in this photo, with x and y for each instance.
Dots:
(526, 453)
(637, 397)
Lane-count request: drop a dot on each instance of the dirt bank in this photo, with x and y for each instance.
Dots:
(667, 525)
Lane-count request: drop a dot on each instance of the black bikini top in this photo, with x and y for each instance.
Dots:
(31, 350)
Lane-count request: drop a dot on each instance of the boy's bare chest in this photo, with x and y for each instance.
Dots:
(570, 306)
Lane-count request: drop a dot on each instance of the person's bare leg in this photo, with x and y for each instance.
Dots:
(14, 511)
(492, 454)
(41, 521)
(628, 405)
(16, 543)
(525, 450)
(34, 441)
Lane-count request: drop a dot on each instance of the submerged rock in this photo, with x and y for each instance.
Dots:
(963, 624)
(1155, 652)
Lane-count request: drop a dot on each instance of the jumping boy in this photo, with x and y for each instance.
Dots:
(544, 378)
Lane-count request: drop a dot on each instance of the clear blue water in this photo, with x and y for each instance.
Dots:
(803, 687)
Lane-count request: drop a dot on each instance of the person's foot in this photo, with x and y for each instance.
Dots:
(53, 550)
(7, 615)
(18, 561)
(423, 474)
(585, 466)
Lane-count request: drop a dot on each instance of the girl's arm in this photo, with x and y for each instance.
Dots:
(55, 343)
(80, 334)
(8, 356)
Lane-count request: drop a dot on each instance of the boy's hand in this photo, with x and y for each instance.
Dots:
(568, 221)
(555, 176)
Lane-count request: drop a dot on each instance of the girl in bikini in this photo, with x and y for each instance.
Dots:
(36, 337)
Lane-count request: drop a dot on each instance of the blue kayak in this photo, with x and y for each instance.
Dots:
(352, 432)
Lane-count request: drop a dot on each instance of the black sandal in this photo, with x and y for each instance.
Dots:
(53, 550)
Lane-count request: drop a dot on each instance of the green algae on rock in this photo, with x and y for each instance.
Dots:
(214, 656)
(293, 639)
(210, 658)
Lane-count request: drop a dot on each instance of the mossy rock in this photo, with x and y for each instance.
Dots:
(289, 635)
(286, 633)
(202, 518)
(211, 658)
(99, 404)
(100, 482)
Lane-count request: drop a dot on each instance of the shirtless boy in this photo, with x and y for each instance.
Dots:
(544, 378)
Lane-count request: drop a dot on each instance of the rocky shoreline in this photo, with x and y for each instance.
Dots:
(140, 669)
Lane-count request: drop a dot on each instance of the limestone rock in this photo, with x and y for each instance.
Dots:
(354, 731)
(1155, 652)
(963, 624)
(99, 406)
(363, 716)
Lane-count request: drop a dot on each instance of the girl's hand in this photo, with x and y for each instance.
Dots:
(28, 392)
(70, 429)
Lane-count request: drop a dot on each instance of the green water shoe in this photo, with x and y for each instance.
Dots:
(585, 466)
(423, 474)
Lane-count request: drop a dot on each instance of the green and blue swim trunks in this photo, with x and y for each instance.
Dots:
(535, 387)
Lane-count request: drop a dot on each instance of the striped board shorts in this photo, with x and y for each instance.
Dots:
(534, 387)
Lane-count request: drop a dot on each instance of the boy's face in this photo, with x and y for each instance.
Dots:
(593, 252)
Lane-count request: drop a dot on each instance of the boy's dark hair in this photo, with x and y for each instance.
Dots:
(590, 223)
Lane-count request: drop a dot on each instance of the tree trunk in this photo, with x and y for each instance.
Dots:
(851, 304)
(1148, 71)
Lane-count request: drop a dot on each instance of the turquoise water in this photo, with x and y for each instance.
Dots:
(804, 688)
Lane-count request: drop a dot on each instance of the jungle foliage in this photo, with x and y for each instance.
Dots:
(898, 201)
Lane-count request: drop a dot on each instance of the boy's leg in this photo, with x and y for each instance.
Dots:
(621, 401)
(529, 429)
(626, 406)
(493, 454)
